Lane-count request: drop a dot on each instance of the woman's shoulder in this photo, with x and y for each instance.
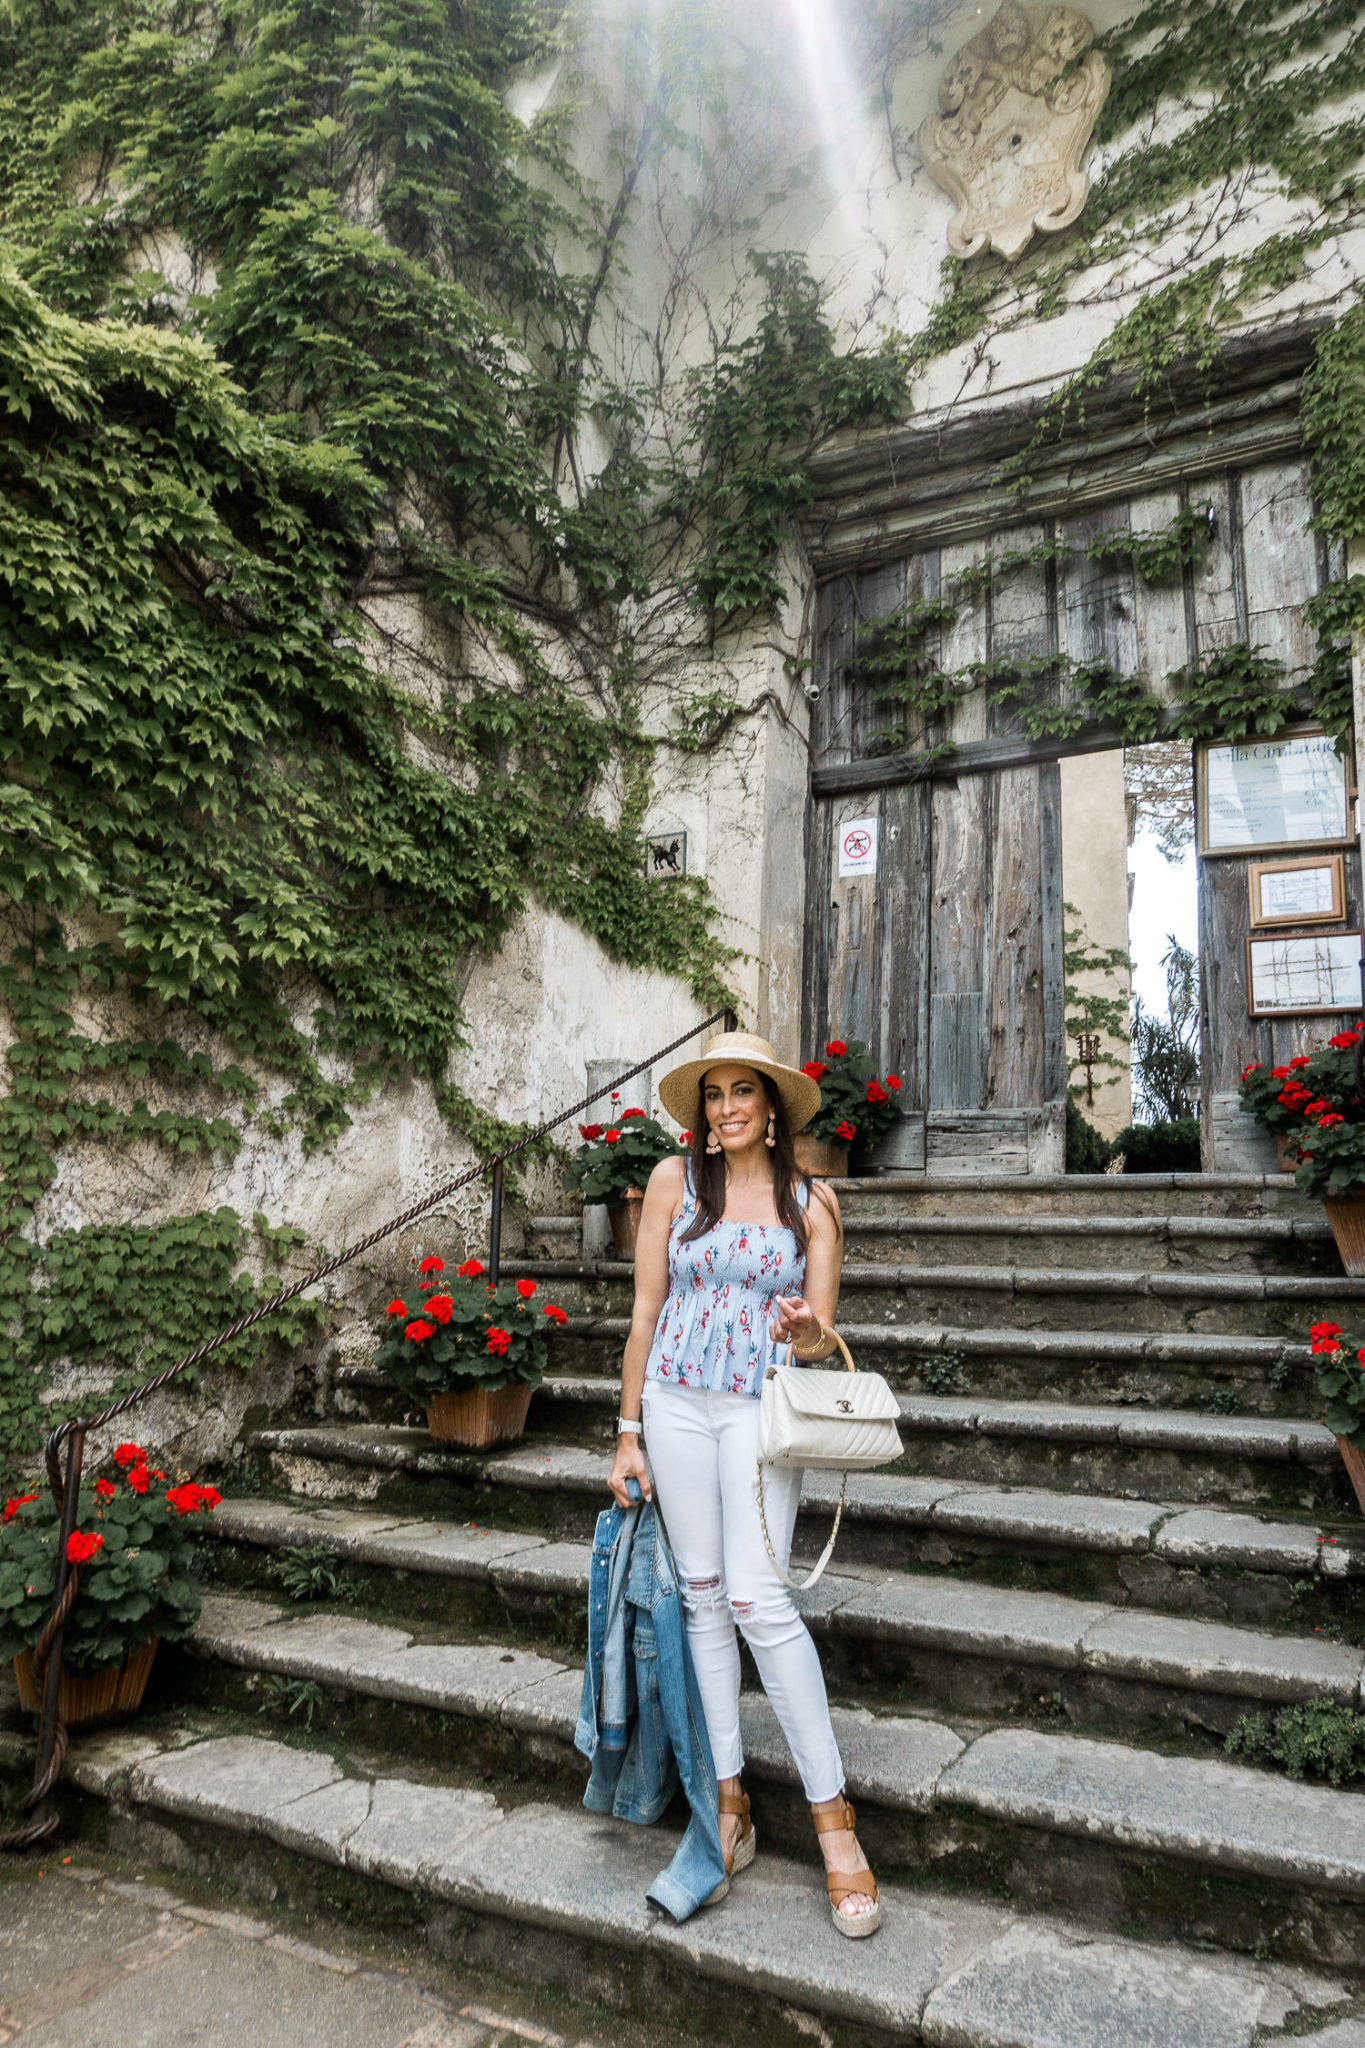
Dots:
(823, 1206)
(670, 1174)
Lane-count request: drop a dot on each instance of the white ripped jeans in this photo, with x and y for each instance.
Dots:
(703, 1453)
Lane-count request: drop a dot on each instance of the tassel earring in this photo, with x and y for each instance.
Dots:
(771, 1138)
(712, 1144)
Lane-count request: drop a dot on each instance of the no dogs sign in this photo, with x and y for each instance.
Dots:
(857, 847)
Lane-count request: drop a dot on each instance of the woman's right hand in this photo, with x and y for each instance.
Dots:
(629, 1463)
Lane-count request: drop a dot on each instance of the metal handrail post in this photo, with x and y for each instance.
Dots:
(495, 1224)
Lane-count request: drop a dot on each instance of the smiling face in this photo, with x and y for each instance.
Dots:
(736, 1106)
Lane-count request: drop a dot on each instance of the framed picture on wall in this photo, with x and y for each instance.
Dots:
(1297, 974)
(1258, 794)
(1309, 890)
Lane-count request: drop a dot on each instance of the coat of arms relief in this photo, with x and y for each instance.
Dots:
(1018, 111)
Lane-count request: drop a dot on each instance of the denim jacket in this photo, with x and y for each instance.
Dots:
(640, 1719)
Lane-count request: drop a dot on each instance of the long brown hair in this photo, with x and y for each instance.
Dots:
(708, 1170)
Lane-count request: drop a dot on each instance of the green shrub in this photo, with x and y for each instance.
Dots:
(1169, 1146)
(1086, 1150)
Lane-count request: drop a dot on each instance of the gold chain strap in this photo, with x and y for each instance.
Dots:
(800, 1585)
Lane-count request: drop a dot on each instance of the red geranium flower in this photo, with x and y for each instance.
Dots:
(847, 1131)
(526, 1288)
(1304, 1059)
(1254, 1068)
(419, 1331)
(396, 1308)
(1279, 1073)
(13, 1505)
(612, 1137)
(498, 1341)
(893, 1081)
(876, 1093)
(590, 1131)
(816, 1069)
(190, 1499)
(129, 1454)
(1332, 1117)
(471, 1269)
(626, 1114)
(80, 1547)
(136, 1475)
(1324, 1336)
(104, 1489)
(439, 1308)
(556, 1315)
(432, 1265)
(686, 1138)
(836, 1048)
(1344, 1040)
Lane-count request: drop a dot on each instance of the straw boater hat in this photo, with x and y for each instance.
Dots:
(800, 1095)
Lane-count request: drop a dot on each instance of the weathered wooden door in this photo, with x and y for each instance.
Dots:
(947, 961)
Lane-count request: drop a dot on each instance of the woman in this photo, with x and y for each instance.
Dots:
(738, 1256)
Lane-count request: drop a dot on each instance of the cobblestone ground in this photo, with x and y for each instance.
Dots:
(91, 1952)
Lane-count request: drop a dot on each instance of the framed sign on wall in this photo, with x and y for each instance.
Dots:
(1258, 794)
(1294, 975)
(1309, 890)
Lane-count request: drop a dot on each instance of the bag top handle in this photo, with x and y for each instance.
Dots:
(792, 1358)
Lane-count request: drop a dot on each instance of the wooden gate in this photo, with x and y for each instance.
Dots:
(948, 961)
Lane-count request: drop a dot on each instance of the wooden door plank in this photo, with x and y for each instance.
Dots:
(831, 718)
(854, 903)
(818, 924)
(1014, 944)
(1280, 553)
(1021, 622)
(965, 640)
(1214, 580)
(902, 1029)
(1160, 622)
(877, 593)
(959, 963)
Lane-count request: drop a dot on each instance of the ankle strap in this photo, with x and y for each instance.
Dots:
(830, 1819)
(734, 1802)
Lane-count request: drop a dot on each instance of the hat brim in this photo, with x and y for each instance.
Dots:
(678, 1089)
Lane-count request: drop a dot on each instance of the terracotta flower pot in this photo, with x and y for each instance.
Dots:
(1355, 1468)
(85, 1697)
(829, 1161)
(1286, 1154)
(1346, 1214)
(624, 1218)
(477, 1419)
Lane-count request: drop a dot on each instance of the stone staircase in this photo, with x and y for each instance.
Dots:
(1116, 1529)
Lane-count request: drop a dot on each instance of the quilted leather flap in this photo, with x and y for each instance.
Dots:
(825, 1395)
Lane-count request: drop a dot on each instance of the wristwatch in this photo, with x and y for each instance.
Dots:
(625, 1427)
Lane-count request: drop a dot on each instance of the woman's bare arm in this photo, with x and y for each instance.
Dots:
(797, 1315)
(663, 1198)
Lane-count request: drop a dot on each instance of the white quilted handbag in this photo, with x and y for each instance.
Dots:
(833, 1421)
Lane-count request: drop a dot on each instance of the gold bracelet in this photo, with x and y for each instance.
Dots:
(823, 1338)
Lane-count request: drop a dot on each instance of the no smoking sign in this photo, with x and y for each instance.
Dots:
(858, 847)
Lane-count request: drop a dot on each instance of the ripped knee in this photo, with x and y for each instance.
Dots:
(705, 1596)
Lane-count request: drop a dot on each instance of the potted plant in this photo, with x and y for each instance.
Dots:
(612, 1165)
(134, 1548)
(1318, 1108)
(471, 1354)
(1341, 1382)
(854, 1106)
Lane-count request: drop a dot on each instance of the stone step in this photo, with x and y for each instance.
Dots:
(931, 1638)
(1177, 1558)
(1111, 1243)
(537, 1892)
(1262, 1462)
(1028, 1297)
(1078, 1194)
(1260, 1375)
(926, 1793)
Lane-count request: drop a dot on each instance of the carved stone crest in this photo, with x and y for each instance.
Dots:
(1016, 119)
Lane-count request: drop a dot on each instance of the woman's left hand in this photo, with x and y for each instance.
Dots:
(795, 1322)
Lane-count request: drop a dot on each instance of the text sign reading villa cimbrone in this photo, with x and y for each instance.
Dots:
(857, 847)
(1289, 791)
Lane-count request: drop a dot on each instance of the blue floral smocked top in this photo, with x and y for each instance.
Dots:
(714, 1328)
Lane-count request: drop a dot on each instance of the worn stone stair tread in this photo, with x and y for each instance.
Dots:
(944, 1970)
(1180, 1534)
(1198, 1811)
(906, 1278)
(929, 1610)
(1099, 1347)
(1249, 1229)
(1131, 1798)
(1181, 1429)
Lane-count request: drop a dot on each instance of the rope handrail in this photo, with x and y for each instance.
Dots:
(47, 1655)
